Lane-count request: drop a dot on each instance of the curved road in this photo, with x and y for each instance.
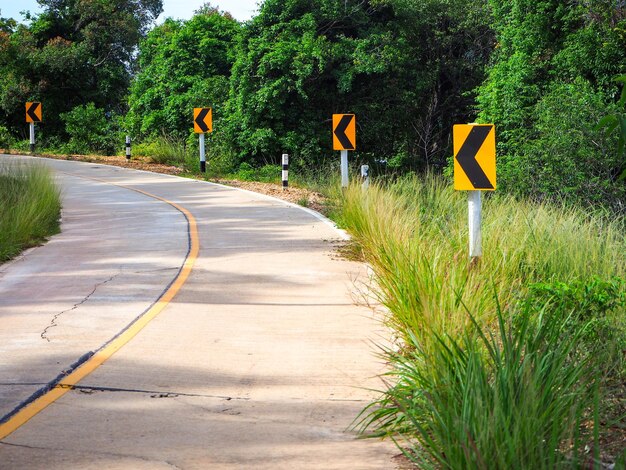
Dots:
(261, 360)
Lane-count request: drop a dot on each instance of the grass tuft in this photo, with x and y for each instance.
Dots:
(30, 208)
(164, 149)
(515, 399)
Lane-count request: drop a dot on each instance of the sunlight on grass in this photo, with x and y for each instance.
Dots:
(415, 236)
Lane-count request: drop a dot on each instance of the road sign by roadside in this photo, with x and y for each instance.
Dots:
(344, 132)
(202, 120)
(474, 157)
(33, 111)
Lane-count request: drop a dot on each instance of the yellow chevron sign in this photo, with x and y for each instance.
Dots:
(474, 157)
(202, 120)
(344, 132)
(33, 111)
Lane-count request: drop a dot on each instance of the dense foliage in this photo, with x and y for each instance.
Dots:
(550, 82)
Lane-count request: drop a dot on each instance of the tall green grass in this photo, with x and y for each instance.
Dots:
(29, 209)
(164, 149)
(489, 370)
(512, 400)
(184, 153)
(414, 233)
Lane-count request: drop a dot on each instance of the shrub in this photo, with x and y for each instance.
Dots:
(92, 129)
(6, 139)
(22, 145)
(246, 172)
(164, 149)
(270, 173)
(567, 157)
(599, 304)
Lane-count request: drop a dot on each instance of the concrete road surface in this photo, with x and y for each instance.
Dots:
(261, 360)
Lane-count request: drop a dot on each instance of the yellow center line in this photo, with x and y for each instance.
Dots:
(100, 356)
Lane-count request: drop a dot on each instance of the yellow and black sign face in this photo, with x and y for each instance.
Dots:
(474, 157)
(202, 120)
(33, 111)
(344, 132)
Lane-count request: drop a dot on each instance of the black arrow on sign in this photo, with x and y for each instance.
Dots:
(31, 111)
(200, 119)
(340, 131)
(467, 157)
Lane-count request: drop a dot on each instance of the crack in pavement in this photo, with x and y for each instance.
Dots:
(89, 389)
(157, 270)
(153, 393)
(53, 322)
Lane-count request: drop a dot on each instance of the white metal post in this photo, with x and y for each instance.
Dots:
(285, 171)
(127, 147)
(202, 154)
(474, 203)
(344, 168)
(32, 137)
(365, 175)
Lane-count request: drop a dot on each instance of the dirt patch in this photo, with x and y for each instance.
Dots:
(300, 196)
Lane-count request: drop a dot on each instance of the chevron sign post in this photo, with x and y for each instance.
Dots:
(33, 115)
(202, 123)
(474, 171)
(344, 139)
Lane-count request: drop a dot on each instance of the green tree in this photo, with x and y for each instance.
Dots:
(182, 65)
(75, 52)
(403, 67)
(552, 56)
(451, 42)
(568, 159)
(616, 123)
(91, 129)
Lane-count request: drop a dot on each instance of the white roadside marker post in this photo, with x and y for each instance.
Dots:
(32, 137)
(344, 168)
(474, 205)
(285, 172)
(127, 147)
(365, 176)
(202, 154)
